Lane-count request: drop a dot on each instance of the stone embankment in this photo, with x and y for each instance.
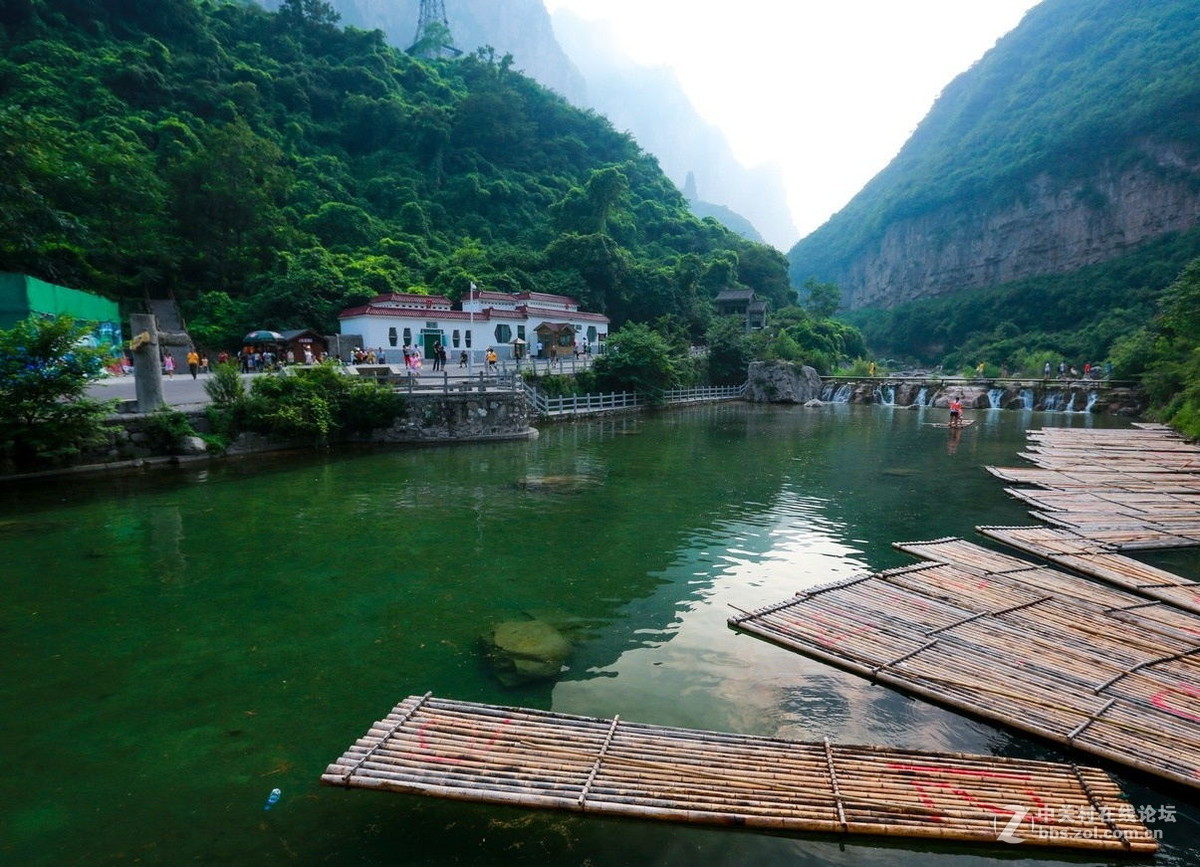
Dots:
(136, 441)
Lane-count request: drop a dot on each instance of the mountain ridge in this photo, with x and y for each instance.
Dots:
(1069, 143)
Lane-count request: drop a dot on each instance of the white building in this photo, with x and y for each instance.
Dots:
(504, 322)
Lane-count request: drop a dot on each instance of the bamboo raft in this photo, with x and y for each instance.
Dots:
(533, 758)
(1080, 554)
(1128, 489)
(1085, 665)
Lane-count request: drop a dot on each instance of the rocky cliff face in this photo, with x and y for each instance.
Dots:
(1049, 228)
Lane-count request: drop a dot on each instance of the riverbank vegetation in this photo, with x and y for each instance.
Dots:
(314, 405)
(1164, 353)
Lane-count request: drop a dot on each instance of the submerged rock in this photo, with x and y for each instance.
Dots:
(521, 651)
(557, 484)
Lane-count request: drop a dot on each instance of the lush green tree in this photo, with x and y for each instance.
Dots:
(729, 350)
(1166, 353)
(311, 13)
(215, 320)
(821, 299)
(46, 416)
(228, 194)
(639, 359)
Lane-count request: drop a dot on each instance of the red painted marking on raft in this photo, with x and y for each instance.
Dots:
(921, 787)
(425, 747)
(1159, 700)
(836, 634)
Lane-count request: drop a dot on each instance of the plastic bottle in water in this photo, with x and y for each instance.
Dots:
(272, 799)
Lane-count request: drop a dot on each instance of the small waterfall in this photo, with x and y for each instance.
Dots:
(842, 395)
(994, 397)
(1070, 407)
(1053, 398)
(886, 395)
(922, 397)
(827, 393)
(1091, 401)
(1027, 398)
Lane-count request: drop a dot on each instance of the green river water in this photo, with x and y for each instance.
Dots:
(177, 644)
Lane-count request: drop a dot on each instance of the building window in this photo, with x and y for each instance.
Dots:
(408, 337)
(503, 333)
(468, 338)
(392, 338)
(591, 334)
(521, 332)
(454, 337)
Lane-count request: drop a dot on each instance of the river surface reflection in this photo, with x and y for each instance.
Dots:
(180, 643)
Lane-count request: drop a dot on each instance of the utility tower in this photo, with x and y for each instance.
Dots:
(433, 13)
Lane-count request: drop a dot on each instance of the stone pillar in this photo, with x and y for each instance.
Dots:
(147, 358)
(147, 367)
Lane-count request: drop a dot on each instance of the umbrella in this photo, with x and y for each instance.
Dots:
(262, 336)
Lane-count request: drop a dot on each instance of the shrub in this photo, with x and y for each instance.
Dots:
(225, 388)
(45, 414)
(165, 430)
(316, 404)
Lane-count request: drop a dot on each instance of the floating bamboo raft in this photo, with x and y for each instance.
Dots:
(533, 758)
(967, 422)
(1128, 489)
(1080, 663)
(1075, 552)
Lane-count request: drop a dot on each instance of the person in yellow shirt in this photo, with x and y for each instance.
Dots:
(193, 360)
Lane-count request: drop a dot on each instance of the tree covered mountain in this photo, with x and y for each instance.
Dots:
(579, 59)
(271, 168)
(1072, 142)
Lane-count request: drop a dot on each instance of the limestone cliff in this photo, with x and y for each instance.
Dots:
(1050, 228)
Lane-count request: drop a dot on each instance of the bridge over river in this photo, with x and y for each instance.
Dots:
(1061, 395)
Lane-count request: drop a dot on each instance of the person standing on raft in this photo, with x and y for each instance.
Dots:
(956, 412)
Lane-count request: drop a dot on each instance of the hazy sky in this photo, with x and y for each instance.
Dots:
(827, 90)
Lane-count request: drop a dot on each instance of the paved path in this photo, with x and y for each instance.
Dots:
(182, 390)
(178, 391)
